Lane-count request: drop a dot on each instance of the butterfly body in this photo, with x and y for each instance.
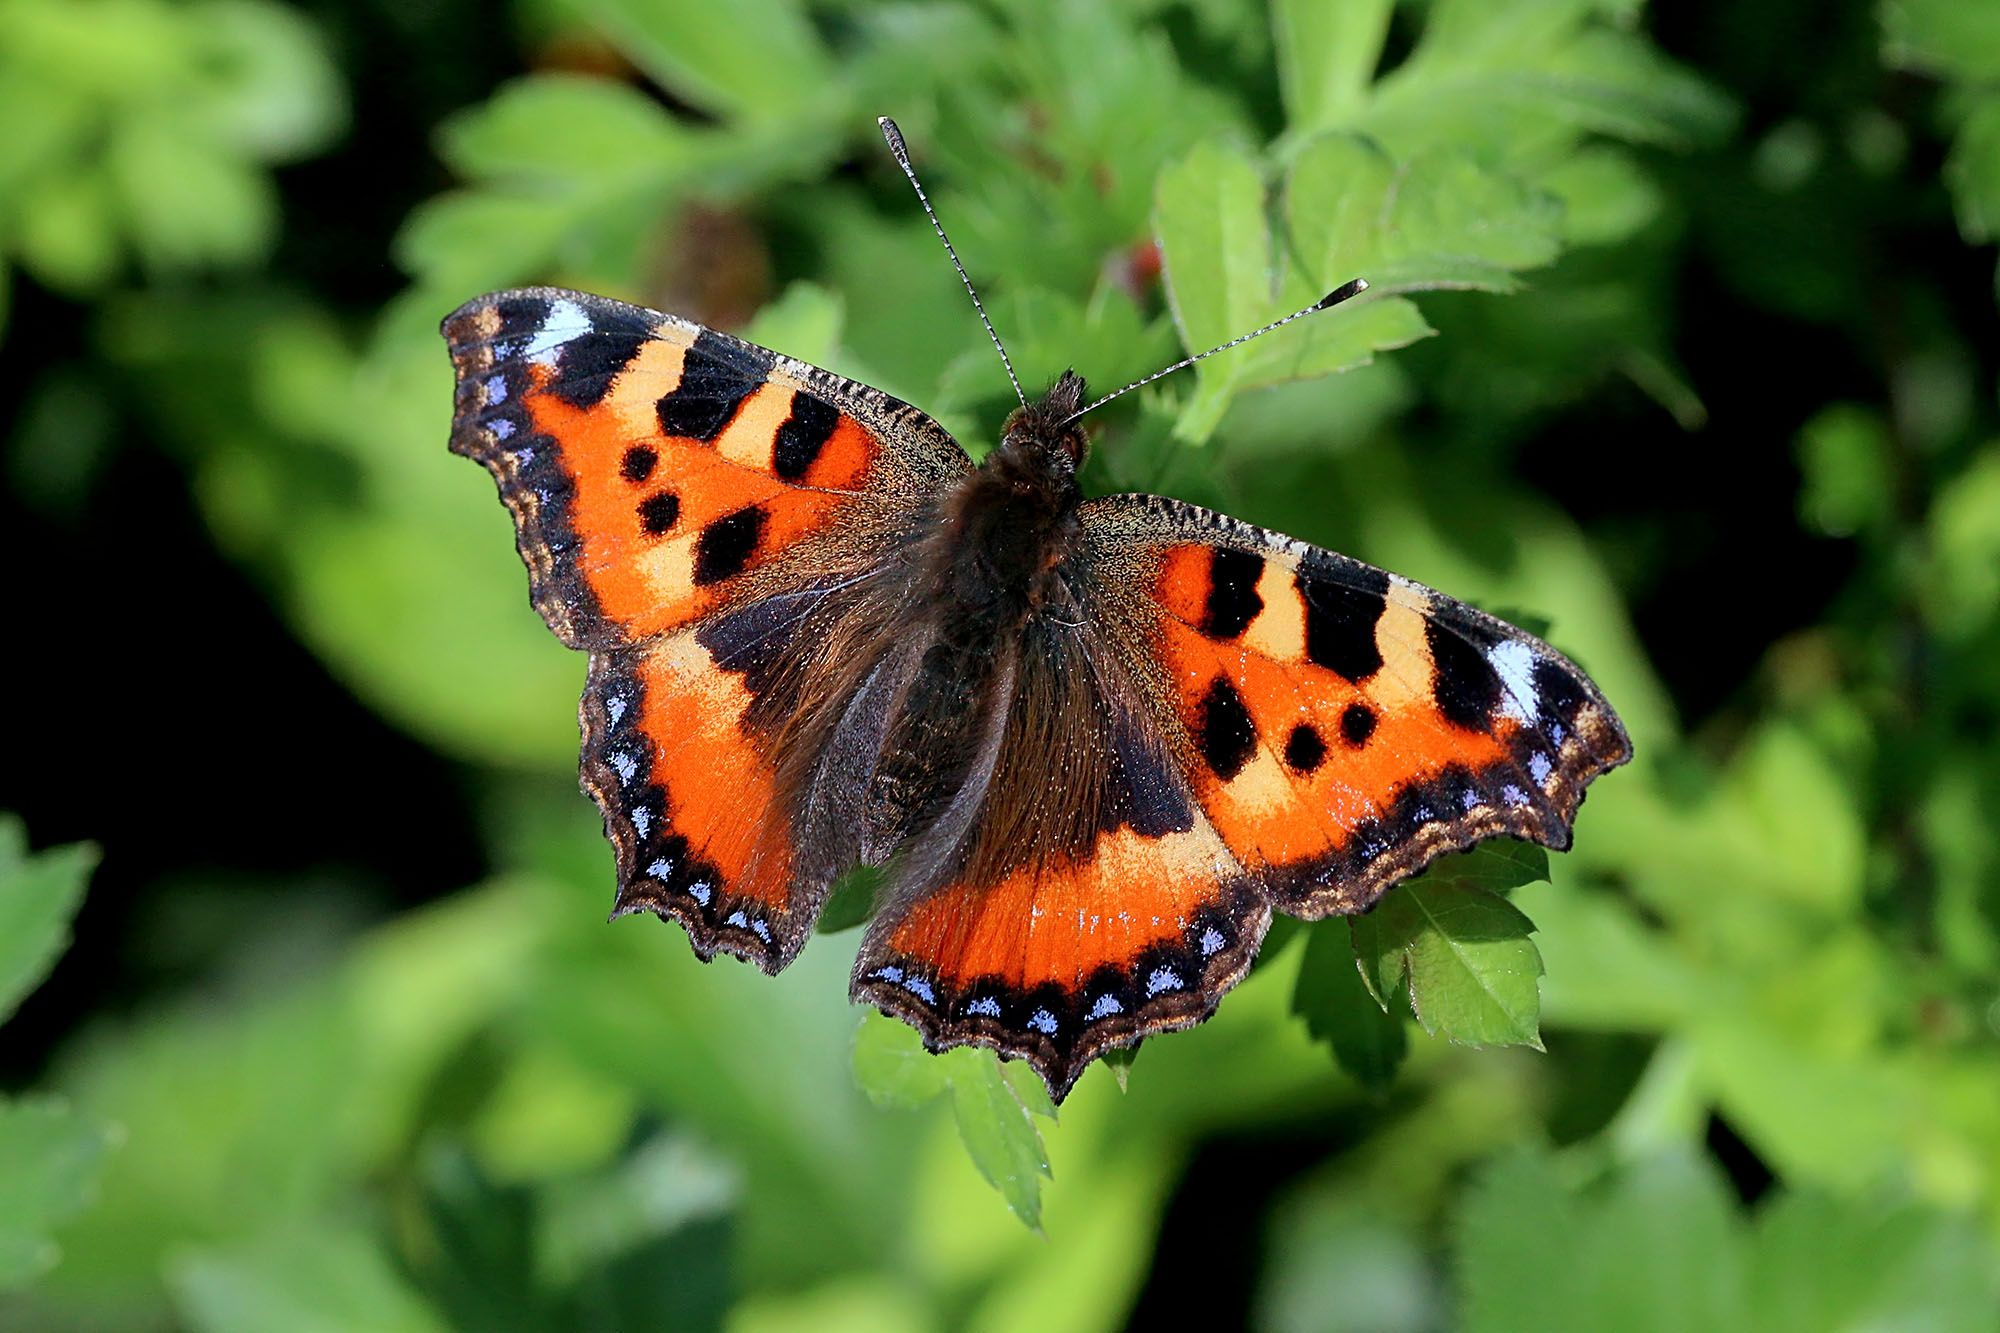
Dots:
(1094, 743)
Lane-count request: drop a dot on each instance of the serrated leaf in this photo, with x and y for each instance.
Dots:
(39, 896)
(999, 1136)
(993, 1104)
(1338, 1008)
(49, 1163)
(1465, 956)
(1224, 278)
(1381, 939)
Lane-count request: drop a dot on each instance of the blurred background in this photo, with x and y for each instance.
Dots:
(1683, 347)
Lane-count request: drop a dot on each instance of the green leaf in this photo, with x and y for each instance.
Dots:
(67, 232)
(1224, 279)
(1464, 954)
(1606, 196)
(1338, 1008)
(851, 902)
(1516, 1230)
(270, 92)
(39, 896)
(325, 1276)
(892, 1066)
(1214, 249)
(1658, 1245)
(1823, 1262)
(1498, 865)
(1327, 54)
(758, 60)
(993, 1103)
(1973, 171)
(1847, 467)
(187, 200)
(1948, 37)
(563, 131)
(1119, 1060)
(50, 1159)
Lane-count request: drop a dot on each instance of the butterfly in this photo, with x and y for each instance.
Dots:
(1092, 743)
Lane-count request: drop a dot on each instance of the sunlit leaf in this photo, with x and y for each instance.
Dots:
(39, 895)
(1464, 955)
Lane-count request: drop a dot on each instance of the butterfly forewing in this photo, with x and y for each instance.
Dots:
(1340, 725)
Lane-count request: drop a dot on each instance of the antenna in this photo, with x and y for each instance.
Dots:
(1327, 302)
(902, 153)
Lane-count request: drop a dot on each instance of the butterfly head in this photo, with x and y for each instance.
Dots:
(1041, 433)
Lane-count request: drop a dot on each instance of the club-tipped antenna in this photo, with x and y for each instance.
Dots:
(1327, 302)
(902, 154)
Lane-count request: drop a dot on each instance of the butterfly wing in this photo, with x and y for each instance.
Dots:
(698, 513)
(1342, 726)
(1241, 721)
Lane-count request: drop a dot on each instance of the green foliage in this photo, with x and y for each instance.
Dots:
(49, 1157)
(1660, 1245)
(140, 129)
(994, 1104)
(496, 1111)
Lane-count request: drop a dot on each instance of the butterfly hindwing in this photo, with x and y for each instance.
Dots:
(1090, 904)
(1342, 726)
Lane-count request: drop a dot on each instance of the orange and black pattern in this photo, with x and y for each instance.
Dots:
(1093, 743)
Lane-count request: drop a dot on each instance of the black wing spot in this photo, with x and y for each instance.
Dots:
(1228, 735)
(716, 376)
(727, 544)
(803, 435)
(639, 462)
(590, 363)
(1304, 750)
(1463, 682)
(1340, 624)
(657, 513)
(1232, 593)
(1357, 724)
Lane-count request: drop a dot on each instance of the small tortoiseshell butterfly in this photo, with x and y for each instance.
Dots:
(1093, 742)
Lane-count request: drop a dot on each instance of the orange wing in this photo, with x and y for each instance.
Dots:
(692, 509)
(658, 470)
(1342, 726)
